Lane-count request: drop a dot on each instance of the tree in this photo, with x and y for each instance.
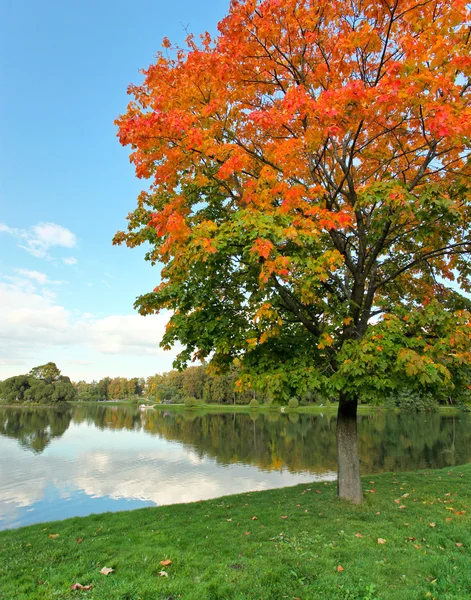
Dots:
(44, 385)
(48, 372)
(310, 196)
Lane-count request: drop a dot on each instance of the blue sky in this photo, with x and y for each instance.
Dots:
(66, 185)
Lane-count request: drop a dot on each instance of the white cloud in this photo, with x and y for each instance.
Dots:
(70, 260)
(128, 334)
(40, 278)
(5, 229)
(40, 238)
(33, 322)
(37, 277)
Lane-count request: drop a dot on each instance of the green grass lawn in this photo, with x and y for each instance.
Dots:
(292, 543)
(330, 409)
(315, 409)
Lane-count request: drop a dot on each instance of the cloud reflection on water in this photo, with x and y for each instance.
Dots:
(88, 464)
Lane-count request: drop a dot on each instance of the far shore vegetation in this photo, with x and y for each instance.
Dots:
(198, 387)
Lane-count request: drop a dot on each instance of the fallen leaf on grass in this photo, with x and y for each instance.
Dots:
(397, 501)
(162, 574)
(229, 520)
(254, 518)
(358, 535)
(284, 517)
(459, 544)
(247, 533)
(53, 535)
(166, 563)
(432, 524)
(79, 540)
(460, 512)
(78, 586)
(381, 541)
(417, 546)
(106, 571)
(402, 507)
(340, 569)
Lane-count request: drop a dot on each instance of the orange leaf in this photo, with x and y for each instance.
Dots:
(79, 586)
(340, 569)
(165, 563)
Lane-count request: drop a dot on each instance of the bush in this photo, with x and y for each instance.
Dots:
(407, 399)
(254, 403)
(293, 403)
(190, 402)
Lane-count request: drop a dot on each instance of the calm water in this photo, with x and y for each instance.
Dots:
(57, 463)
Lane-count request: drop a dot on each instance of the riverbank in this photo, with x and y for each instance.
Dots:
(330, 409)
(410, 539)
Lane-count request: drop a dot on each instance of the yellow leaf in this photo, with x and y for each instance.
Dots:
(381, 541)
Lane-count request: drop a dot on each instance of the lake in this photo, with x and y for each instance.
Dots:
(62, 462)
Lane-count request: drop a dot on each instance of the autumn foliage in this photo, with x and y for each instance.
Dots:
(309, 194)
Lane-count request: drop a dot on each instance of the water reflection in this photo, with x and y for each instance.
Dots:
(57, 463)
(34, 428)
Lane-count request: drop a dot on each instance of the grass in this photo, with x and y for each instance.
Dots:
(264, 408)
(331, 409)
(292, 543)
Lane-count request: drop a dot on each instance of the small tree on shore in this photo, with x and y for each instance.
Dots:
(310, 195)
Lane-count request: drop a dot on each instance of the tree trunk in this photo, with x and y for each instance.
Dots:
(348, 459)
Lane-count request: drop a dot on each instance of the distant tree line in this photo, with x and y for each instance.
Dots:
(200, 384)
(45, 384)
(172, 387)
(116, 388)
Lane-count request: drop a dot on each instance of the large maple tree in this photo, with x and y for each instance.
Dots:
(310, 196)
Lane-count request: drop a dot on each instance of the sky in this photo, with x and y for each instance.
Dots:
(66, 184)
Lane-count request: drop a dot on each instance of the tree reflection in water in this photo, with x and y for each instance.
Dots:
(34, 427)
(388, 441)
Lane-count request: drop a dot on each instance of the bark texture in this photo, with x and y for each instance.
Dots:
(348, 459)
